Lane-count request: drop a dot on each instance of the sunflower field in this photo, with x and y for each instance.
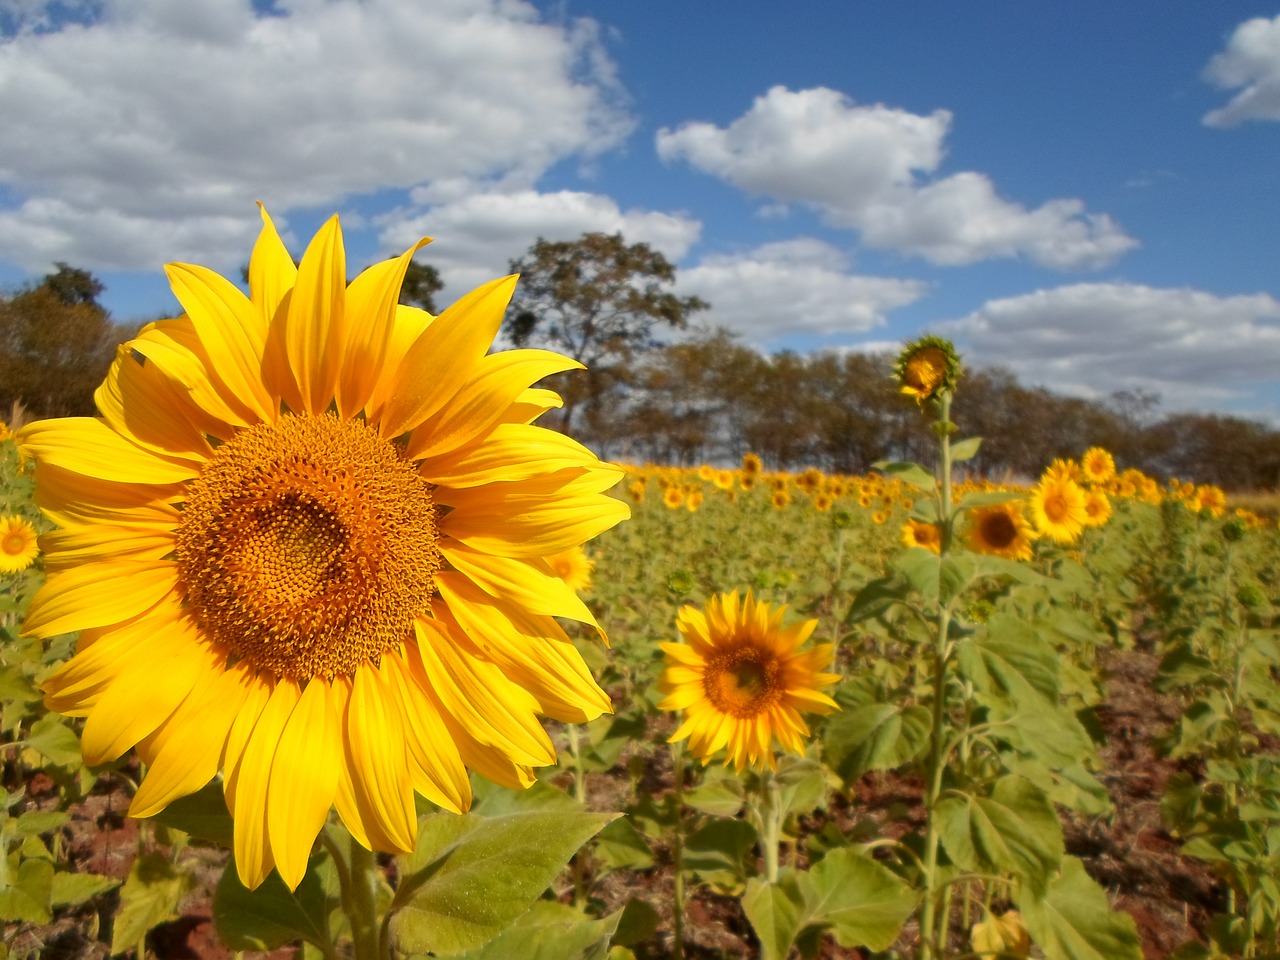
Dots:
(302, 659)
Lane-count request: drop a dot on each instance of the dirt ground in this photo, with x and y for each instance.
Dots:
(1128, 852)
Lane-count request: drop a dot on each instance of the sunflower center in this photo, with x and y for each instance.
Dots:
(1056, 507)
(13, 544)
(999, 530)
(308, 546)
(742, 683)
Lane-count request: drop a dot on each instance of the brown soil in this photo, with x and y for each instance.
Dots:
(1129, 852)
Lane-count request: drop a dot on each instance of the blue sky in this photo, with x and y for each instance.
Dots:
(1085, 193)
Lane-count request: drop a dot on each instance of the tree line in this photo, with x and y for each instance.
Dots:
(703, 397)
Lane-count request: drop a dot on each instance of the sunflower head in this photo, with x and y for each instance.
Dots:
(18, 546)
(304, 545)
(1097, 507)
(1001, 530)
(574, 567)
(919, 533)
(743, 680)
(1058, 506)
(751, 463)
(926, 367)
(1097, 465)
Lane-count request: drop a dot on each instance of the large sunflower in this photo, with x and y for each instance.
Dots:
(303, 544)
(741, 679)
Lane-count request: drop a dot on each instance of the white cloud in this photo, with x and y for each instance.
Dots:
(1193, 348)
(1250, 61)
(795, 287)
(480, 233)
(146, 135)
(866, 168)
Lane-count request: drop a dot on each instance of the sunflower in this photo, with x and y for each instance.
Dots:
(917, 533)
(751, 463)
(926, 367)
(1058, 506)
(1097, 465)
(673, 497)
(1097, 508)
(303, 545)
(18, 548)
(1001, 530)
(574, 567)
(742, 680)
(1063, 469)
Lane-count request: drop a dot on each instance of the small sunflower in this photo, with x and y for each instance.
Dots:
(1001, 530)
(1064, 469)
(673, 497)
(926, 367)
(1097, 508)
(751, 463)
(303, 545)
(574, 567)
(1058, 506)
(918, 533)
(18, 547)
(1097, 465)
(742, 680)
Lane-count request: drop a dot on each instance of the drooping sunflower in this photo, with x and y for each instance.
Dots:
(1058, 507)
(1002, 530)
(18, 545)
(303, 544)
(925, 367)
(742, 680)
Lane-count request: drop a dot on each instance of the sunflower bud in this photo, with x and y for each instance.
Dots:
(926, 367)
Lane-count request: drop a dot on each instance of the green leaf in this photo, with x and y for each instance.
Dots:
(717, 851)
(272, 915)
(776, 912)
(921, 567)
(879, 736)
(720, 796)
(481, 873)
(622, 847)
(1074, 921)
(1010, 657)
(551, 931)
(35, 822)
(963, 450)
(1014, 830)
(639, 921)
(802, 784)
(150, 897)
(910, 473)
(989, 498)
(70, 889)
(954, 574)
(202, 814)
(863, 903)
(492, 800)
(29, 896)
(55, 741)
(876, 597)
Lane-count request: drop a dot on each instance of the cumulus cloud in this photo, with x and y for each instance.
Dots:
(480, 233)
(1250, 63)
(795, 287)
(1193, 348)
(144, 135)
(868, 168)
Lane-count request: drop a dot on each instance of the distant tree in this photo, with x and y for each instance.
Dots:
(56, 344)
(601, 301)
(421, 283)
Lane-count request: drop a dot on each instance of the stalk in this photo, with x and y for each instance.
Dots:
(677, 895)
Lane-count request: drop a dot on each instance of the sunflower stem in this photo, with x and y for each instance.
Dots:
(771, 818)
(360, 901)
(677, 843)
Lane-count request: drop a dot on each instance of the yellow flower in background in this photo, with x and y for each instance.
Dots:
(1058, 506)
(743, 680)
(723, 479)
(18, 547)
(673, 497)
(1097, 465)
(574, 567)
(925, 367)
(1097, 508)
(751, 464)
(4, 431)
(917, 533)
(780, 499)
(1001, 530)
(1209, 498)
(303, 545)
(1061, 469)
(693, 499)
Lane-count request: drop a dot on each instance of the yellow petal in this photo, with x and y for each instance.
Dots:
(511, 452)
(252, 775)
(372, 299)
(138, 401)
(95, 543)
(444, 357)
(315, 330)
(438, 771)
(90, 447)
(192, 752)
(174, 348)
(272, 273)
(379, 760)
(530, 583)
(304, 780)
(144, 693)
(532, 404)
(495, 711)
(230, 330)
(345, 798)
(98, 594)
(484, 400)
